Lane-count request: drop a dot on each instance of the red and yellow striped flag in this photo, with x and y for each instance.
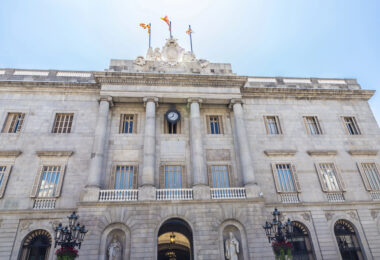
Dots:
(166, 20)
(145, 26)
(188, 31)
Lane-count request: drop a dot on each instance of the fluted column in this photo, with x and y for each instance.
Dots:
(149, 142)
(196, 145)
(243, 144)
(98, 149)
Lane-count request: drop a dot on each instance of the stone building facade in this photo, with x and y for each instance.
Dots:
(108, 144)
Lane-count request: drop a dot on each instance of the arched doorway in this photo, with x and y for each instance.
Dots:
(302, 247)
(347, 240)
(175, 241)
(36, 246)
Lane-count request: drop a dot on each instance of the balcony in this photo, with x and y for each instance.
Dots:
(118, 195)
(335, 197)
(289, 198)
(174, 194)
(375, 195)
(44, 203)
(228, 193)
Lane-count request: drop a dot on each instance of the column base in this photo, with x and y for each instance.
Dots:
(201, 192)
(90, 193)
(253, 191)
(147, 193)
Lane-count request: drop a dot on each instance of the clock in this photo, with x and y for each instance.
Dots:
(172, 116)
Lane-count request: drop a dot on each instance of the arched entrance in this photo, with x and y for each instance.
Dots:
(175, 241)
(347, 240)
(36, 246)
(302, 247)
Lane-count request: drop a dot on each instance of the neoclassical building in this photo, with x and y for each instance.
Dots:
(172, 157)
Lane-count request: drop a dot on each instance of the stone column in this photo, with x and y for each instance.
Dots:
(98, 151)
(149, 161)
(198, 165)
(245, 158)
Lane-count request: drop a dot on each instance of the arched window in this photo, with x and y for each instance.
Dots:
(347, 240)
(36, 246)
(302, 247)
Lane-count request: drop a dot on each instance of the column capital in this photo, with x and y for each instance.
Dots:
(194, 99)
(106, 98)
(153, 99)
(235, 101)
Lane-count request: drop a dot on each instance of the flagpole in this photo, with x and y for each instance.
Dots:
(170, 29)
(191, 41)
(150, 32)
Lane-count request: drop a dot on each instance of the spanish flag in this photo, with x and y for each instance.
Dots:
(166, 20)
(189, 31)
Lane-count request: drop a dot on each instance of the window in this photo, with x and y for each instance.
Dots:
(370, 176)
(214, 125)
(48, 182)
(36, 245)
(124, 177)
(172, 177)
(128, 124)
(63, 123)
(330, 178)
(347, 240)
(172, 128)
(312, 125)
(351, 125)
(285, 178)
(13, 123)
(4, 174)
(219, 176)
(300, 239)
(272, 124)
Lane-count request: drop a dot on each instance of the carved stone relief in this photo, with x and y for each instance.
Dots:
(352, 214)
(115, 245)
(306, 216)
(374, 214)
(329, 215)
(232, 243)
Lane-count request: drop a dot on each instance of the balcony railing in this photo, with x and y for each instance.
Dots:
(118, 195)
(335, 197)
(44, 203)
(289, 198)
(375, 195)
(174, 194)
(228, 193)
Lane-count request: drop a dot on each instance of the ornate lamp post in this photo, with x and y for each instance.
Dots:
(279, 233)
(69, 237)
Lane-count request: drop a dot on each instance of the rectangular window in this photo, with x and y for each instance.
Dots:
(351, 125)
(370, 175)
(125, 177)
(128, 123)
(63, 123)
(4, 174)
(312, 125)
(220, 176)
(13, 123)
(272, 124)
(214, 125)
(329, 177)
(284, 177)
(173, 176)
(50, 180)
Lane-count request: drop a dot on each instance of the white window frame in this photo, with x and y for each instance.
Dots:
(279, 182)
(371, 183)
(220, 124)
(122, 126)
(5, 130)
(277, 124)
(39, 178)
(183, 181)
(112, 182)
(338, 177)
(4, 176)
(355, 124)
(211, 175)
(317, 125)
(55, 118)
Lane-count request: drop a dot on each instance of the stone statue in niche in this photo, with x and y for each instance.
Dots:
(232, 247)
(114, 250)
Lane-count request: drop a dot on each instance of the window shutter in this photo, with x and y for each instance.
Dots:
(266, 124)
(121, 125)
(278, 124)
(183, 178)
(340, 179)
(112, 179)
(209, 176)
(364, 177)
(356, 125)
(179, 126)
(135, 176)
(5, 179)
(295, 178)
(220, 119)
(162, 176)
(166, 129)
(275, 177)
(320, 177)
(306, 125)
(208, 124)
(60, 181)
(230, 176)
(134, 130)
(318, 125)
(37, 181)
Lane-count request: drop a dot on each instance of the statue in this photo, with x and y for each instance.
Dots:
(232, 247)
(140, 61)
(114, 250)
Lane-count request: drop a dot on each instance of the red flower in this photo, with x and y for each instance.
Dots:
(67, 251)
(282, 245)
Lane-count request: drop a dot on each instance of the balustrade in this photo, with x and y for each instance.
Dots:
(228, 193)
(118, 195)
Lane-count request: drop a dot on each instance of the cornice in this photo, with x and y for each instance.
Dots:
(55, 153)
(280, 152)
(10, 153)
(63, 84)
(322, 152)
(307, 93)
(363, 152)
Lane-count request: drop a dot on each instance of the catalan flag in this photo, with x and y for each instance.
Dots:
(189, 31)
(145, 26)
(166, 20)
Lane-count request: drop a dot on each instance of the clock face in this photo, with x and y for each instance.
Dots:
(172, 116)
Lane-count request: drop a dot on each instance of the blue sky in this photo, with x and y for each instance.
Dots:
(293, 38)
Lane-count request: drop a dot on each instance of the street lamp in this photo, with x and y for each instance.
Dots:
(72, 235)
(277, 231)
